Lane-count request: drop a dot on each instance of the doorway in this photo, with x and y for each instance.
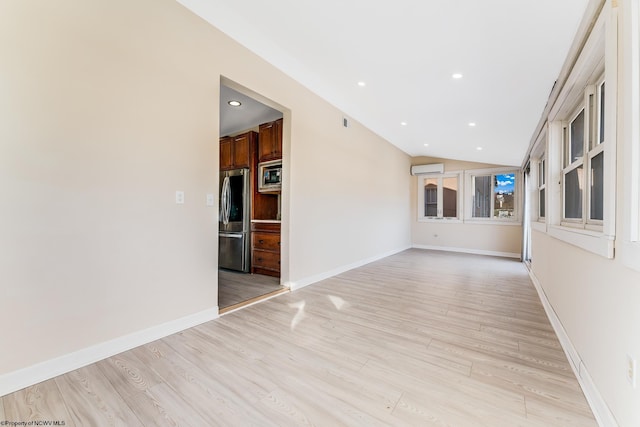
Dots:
(526, 218)
(250, 217)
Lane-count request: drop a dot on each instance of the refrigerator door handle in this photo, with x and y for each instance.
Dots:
(225, 205)
(232, 235)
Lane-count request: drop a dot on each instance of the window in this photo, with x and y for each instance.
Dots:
(542, 186)
(573, 165)
(596, 164)
(583, 164)
(493, 195)
(439, 196)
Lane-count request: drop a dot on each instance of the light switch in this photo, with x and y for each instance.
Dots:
(210, 200)
(180, 197)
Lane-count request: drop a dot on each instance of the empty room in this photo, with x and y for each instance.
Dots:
(320, 213)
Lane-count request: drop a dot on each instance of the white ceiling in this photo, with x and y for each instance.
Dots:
(509, 51)
(249, 114)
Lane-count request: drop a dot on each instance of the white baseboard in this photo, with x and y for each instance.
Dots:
(599, 407)
(17, 380)
(469, 251)
(297, 284)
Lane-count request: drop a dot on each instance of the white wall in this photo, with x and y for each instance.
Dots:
(503, 240)
(107, 109)
(597, 302)
(349, 195)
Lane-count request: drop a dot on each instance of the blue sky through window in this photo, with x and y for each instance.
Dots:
(505, 183)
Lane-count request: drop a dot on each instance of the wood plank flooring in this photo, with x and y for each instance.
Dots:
(418, 338)
(235, 288)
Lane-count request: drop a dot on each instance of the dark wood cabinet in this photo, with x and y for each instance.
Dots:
(270, 141)
(241, 145)
(265, 248)
(235, 151)
(264, 206)
(226, 160)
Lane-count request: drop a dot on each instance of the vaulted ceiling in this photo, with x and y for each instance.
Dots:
(404, 54)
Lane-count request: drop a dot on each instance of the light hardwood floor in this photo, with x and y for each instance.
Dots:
(418, 338)
(235, 288)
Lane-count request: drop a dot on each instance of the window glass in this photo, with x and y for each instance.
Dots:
(503, 193)
(597, 186)
(565, 147)
(482, 196)
(450, 197)
(542, 204)
(573, 193)
(592, 139)
(431, 197)
(577, 138)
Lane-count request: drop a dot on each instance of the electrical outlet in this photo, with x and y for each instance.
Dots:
(180, 197)
(631, 370)
(210, 199)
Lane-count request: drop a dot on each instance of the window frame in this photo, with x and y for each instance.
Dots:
(629, 243)
(440, 177)
(516, 219)
(593, 144)
(569, 166)
(598, 137)
(542, 186)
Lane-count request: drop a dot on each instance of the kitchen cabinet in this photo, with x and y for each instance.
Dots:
(265, 248)
(226, 159)
(235, 151)
(270, 141)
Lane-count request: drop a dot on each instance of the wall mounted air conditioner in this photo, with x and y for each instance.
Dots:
(423, 169)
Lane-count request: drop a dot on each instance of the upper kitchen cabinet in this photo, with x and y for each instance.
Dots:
(226, 159)
(235, 151)
(270, 141)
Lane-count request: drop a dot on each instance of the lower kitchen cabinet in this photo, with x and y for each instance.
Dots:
(265, 248)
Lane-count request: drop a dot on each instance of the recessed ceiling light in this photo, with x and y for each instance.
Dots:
(403, 123)
(426, 145)
(362, 84)
(472, 124)
(479, 148)
(234, 103)
(456, 75)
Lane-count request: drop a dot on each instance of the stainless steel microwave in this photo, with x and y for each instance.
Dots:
(270, 176)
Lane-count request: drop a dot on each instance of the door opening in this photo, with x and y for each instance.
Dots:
(250, 216)
(526, 218)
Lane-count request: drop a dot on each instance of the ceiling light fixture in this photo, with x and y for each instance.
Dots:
(234, 103)
(403, 123)
(426, 145)
(479, 148)
(456, 75)
(472, 124)
(362, 84)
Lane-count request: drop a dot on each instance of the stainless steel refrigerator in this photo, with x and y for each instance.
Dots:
(234, 220)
